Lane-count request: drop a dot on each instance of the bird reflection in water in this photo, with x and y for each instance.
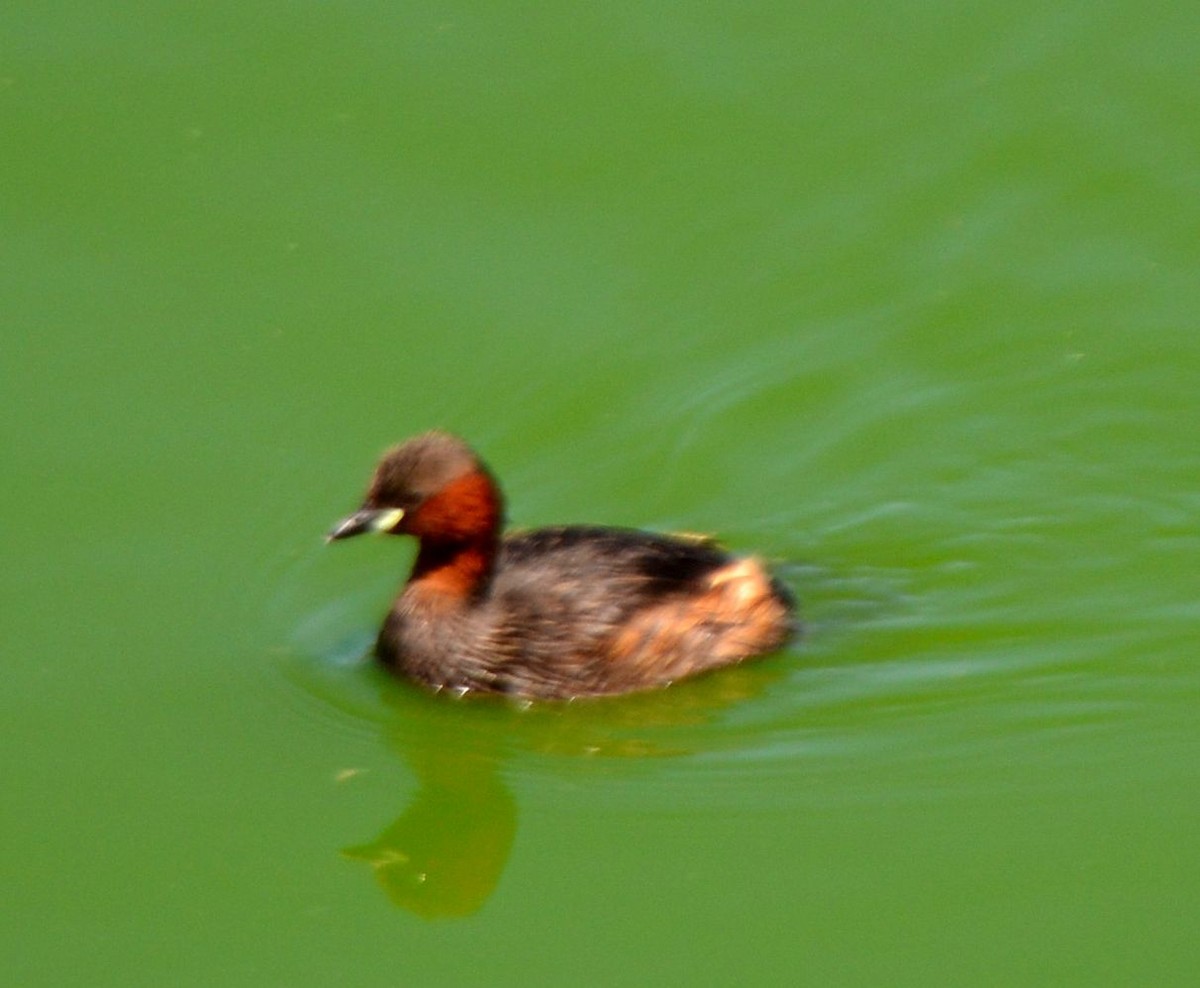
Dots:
(445, 854)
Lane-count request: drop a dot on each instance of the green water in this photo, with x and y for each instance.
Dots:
(904, 298)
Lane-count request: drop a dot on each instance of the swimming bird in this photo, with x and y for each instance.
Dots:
(559, 612)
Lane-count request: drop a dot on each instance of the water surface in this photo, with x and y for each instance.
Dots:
(903, 300)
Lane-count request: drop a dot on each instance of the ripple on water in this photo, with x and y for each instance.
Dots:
(940, 648)
(764, 731)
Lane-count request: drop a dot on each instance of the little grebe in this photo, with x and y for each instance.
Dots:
(556, 612)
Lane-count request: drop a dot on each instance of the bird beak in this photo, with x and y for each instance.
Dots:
(367, 520)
